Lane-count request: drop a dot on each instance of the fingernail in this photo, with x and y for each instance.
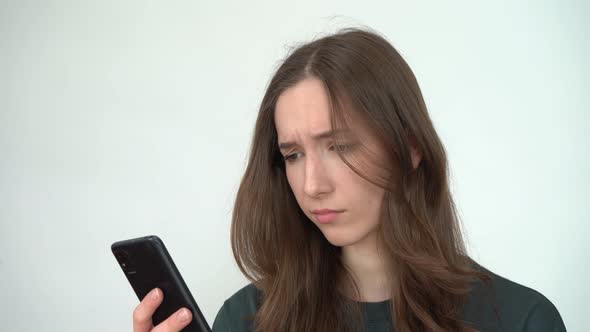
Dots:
(155, 294)
(182, 315)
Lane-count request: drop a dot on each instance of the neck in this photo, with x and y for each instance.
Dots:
(369, 270)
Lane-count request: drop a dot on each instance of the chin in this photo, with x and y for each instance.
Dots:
(341, 239)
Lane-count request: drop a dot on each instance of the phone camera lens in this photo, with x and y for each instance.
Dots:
(123, 258)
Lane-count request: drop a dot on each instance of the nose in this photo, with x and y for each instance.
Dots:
(317, 181)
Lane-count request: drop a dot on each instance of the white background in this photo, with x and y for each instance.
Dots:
(121, 119)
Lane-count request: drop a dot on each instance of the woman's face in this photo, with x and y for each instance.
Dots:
(317, 176)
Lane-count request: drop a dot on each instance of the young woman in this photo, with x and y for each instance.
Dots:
(344, 220)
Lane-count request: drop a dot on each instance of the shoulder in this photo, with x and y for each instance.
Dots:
(505, 305)
(237, 312)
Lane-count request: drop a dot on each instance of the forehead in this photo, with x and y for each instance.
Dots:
(302, 109)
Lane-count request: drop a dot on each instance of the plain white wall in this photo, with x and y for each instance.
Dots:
(121, 119)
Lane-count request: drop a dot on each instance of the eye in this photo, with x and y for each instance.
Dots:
(339, 147)
(291, 157)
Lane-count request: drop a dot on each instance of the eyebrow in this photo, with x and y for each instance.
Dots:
(316, 137)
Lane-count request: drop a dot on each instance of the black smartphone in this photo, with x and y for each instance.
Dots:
(147, 265)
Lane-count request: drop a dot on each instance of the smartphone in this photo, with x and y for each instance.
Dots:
(147, 265)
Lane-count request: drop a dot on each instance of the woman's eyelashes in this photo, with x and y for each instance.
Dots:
(339, 147)
(334, 147)
(291, 157)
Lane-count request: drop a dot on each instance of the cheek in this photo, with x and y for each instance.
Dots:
(294, 183)
(291, 179)
(365, 195)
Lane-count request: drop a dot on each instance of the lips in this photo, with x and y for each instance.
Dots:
(325, 216)
(325, 211)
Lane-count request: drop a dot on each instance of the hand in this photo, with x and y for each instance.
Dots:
(142, 315)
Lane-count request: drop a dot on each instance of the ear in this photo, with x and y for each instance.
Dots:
(415, 153)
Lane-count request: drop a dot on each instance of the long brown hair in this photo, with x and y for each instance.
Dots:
(286, 256)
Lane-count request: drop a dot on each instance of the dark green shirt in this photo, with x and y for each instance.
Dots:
(511, 307)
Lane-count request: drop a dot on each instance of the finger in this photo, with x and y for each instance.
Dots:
(142, 315)
(175, 322)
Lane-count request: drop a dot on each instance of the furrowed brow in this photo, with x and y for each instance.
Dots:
(316, 137)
